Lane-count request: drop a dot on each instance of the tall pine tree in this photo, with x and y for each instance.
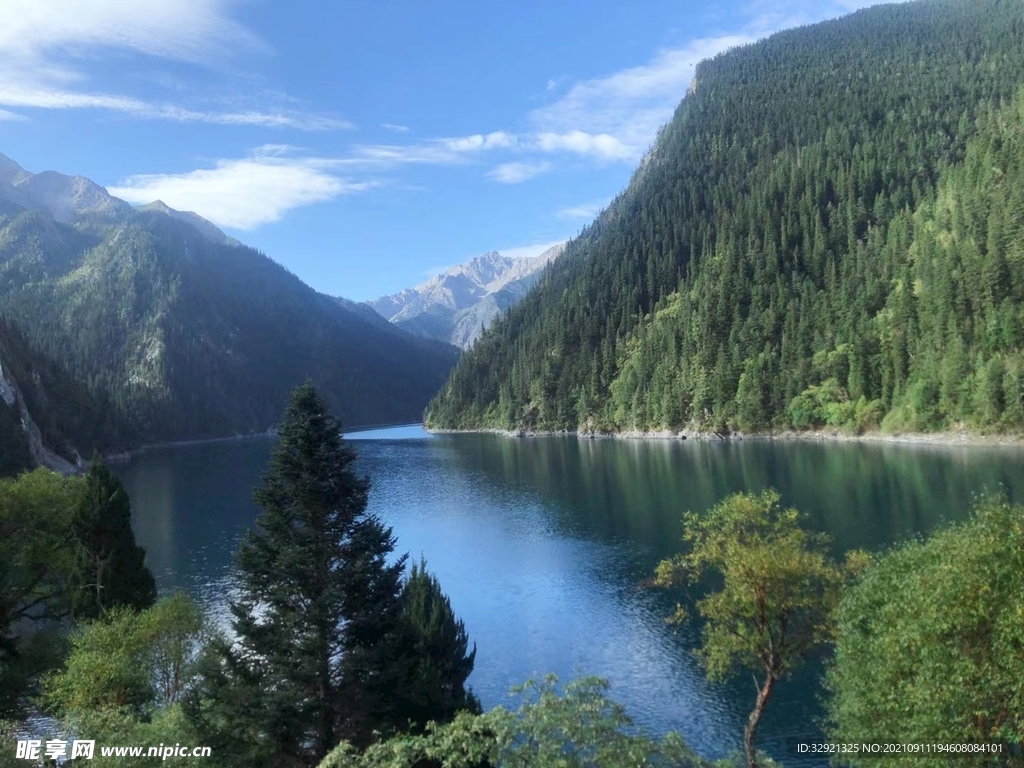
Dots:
(319, 610)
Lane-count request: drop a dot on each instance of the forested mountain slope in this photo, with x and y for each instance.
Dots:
(829, 231)
(46, 417)
(187, 335)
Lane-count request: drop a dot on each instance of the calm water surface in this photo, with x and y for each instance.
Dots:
(541, 543)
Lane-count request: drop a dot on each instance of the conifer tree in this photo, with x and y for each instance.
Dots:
(318, 612)
(111, 566)
(436, 651)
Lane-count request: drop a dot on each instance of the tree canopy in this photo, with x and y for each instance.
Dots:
(930, 640)
(778, 589)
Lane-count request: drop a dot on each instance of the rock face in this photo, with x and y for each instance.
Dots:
(70, 199)
(459, 304)
(42, 455)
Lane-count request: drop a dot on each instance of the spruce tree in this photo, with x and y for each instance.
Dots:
(111, 566)
(316, 620)
(436, 653)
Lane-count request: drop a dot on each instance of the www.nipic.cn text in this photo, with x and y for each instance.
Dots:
(52, 749)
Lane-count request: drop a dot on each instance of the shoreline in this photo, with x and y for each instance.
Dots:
(121, 456)
(948, 437)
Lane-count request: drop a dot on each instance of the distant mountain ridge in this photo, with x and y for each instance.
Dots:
(69, 199)
(457, 305)
(181, 330)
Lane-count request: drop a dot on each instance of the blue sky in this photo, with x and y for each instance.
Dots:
(364, 144)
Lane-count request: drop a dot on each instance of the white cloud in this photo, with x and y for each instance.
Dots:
(43, 97)
(44, 45)
(583, 211)
(602, 145)
(514, 173)
(10, 116)
(478, 142)
(187, 30)
(395, 127)
(243, 193)
(529, 251)
(616, 117)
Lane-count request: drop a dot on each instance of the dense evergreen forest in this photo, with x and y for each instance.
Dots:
(71, 422)
(188, 336)
(829, 232)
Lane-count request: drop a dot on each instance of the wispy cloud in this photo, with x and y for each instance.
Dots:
(582, 211)
(529, 251)
(45, 46)
(10, 116)
(244, 193)
(616, 117)
(395, 127)
(515, 173)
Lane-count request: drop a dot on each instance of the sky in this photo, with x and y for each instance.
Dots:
(364, 144)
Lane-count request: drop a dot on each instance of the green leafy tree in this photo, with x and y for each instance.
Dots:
(129, 662)
(126, 674)
(778, 589)
(318, 611)
(930, 640)
(579, 727)
(112, 567)
(36, 562)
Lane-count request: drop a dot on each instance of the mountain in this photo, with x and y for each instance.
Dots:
(459, 304)
(206, 228)
(828, 233)
(184, 333)
(65, 198)
(46, 417)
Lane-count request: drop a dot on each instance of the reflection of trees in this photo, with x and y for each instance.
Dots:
(862, 495)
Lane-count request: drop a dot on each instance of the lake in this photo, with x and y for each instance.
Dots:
(542, 544)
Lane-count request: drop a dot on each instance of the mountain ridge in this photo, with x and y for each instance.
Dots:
(458, 304)
(186, 333)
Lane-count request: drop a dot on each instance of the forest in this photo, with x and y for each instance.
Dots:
(828, 233)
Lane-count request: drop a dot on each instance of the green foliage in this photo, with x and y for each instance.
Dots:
(127, 665)
(930, 641)
(37, 560)
(435, 646)
(68, 417)
(329, 645)
(578, 728)
(778, 590)
(838, 206)
(111, 566)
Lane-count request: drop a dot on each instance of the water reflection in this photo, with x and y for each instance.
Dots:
(541, 543)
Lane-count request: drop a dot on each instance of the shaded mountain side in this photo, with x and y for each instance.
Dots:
(459, 304)
(192, 337)
(207, 228)
(826, 233)
(47, 418)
